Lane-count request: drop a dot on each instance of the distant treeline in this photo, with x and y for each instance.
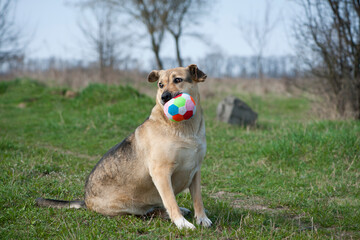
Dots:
(216, 65)
(219, 65)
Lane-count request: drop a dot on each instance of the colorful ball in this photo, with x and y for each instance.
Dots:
(182, 107)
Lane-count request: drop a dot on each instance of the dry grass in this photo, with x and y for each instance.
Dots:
(260, 87)
(77, 78)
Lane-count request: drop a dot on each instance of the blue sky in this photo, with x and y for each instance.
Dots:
(55, 32)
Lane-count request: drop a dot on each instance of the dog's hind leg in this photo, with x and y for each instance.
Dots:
(184, 211)
(161, 212)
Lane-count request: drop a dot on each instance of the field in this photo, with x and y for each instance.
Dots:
(292, 176)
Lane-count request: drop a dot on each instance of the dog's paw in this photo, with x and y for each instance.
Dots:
(184, 211)
(203, 221)
(182, 223)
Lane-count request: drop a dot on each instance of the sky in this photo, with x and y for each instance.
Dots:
(52, 27)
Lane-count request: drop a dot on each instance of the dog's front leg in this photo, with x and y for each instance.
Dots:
(162, 181)
(195, 191)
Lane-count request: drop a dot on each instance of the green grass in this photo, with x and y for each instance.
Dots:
(292, 176)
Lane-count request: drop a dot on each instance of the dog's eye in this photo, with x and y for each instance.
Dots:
(161, 85)
(177, 80)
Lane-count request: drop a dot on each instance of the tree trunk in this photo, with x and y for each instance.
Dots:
(156, 50)
(158, 60)
(178, 56)
(357, 106)
(340, 104)
(102, 65)
(260, 72)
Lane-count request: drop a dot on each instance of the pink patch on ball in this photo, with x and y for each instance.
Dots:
(166, 108)
(189, 105)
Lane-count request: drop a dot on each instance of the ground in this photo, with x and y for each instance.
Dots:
(292, 176)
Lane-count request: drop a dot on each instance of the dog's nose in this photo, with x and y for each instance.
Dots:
(166, 96)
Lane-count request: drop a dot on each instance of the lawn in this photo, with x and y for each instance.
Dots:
(291, 176)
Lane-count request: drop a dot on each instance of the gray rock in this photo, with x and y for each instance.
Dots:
(234, 111)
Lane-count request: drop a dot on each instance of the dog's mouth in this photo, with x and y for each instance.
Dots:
(176, 94)
(167, 96)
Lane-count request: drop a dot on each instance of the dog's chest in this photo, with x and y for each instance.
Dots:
(190, 151)
(188, 157)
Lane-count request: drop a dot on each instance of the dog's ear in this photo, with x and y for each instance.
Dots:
(196, 74)
(153, 76)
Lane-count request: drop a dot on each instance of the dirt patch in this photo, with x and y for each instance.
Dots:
(238, 200)
(21, 105)
(68, 152)
(261, 205)
(248, 204)
(70, 94)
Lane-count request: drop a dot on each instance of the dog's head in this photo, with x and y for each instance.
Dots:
(174, 81)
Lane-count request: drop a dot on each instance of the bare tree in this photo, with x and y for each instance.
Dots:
(257, 33)
(103, 35)
(329, 37)
(11, 41)
(159, 17)
(181, 13)
(151, 14)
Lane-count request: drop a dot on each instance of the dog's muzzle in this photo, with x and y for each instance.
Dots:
(166, 96)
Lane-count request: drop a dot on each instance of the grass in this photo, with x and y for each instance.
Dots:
(292, 176)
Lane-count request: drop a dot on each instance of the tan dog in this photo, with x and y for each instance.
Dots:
(159, 160)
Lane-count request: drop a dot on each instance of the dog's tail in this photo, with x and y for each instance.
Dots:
(42, 202)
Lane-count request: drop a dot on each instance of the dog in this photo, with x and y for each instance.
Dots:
(159, 160)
